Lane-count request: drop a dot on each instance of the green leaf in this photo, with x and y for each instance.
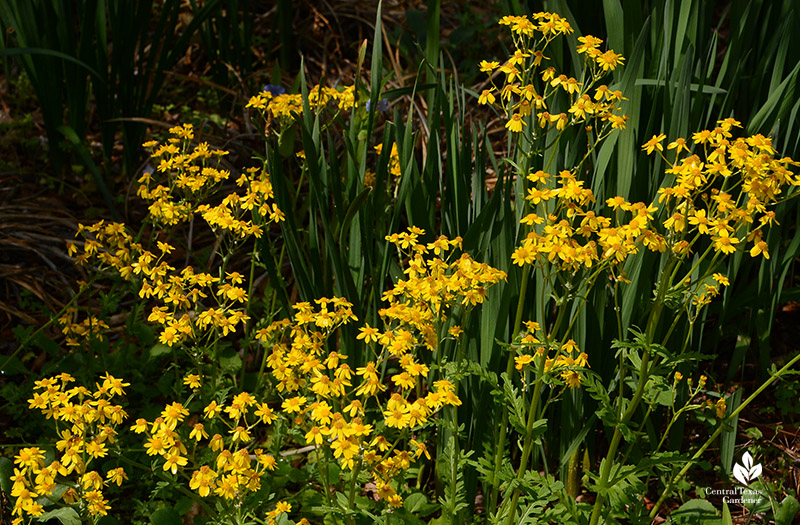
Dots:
(6, 469)
(158, 350)
(230, 361)
(726, 514)
(761, 119)
(351, 212)
(52, 53)
(297, 475)
(165, 516)
(13, 366)
(711, 90)
(66, 516)
(418, 504)
(786, 511)
(696, 512)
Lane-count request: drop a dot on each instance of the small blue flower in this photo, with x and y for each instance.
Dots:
(383, 105)
(275, 90)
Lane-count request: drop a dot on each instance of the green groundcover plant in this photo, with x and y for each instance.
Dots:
(354, 414)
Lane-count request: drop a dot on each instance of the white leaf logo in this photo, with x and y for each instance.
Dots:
(746, 472)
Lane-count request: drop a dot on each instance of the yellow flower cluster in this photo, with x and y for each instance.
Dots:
(282, 107)
(77, 333)
(177, 293)
(353, 414)
(231, 471)
(345, 413)
(190, 179)
(526, 86)
(433, 285)
(329, 401)
(569, 236)
(193, 173)
(722, 194)
(567, 361)
(705, 292)
(90, 419)
(723, 190)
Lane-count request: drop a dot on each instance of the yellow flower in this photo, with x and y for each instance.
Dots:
(92, 480)
(609, 60)
(355, 407)
(721, 279)
(522, 361)
(654, 143)
(240, 434)
(588, 43)
(571, 378)
(30, 458)
(202, 480)
(116, 475)
(488, 67)
(314, 436)
(368, 334)
(192, 381)
(216, 442)
(155, 445)
(678, 145)
(265, 413)
(486, 97)
(267, 460)
(515, 123)
(759, 248)
(96, 449)
(398, 417)
(227, 486)
(403, 380)
(721, 407)
(173, 414)
(524, 254)
(212, 410)
(725, 243)
(114, 385)
(293, 404)
(198, 432)
(173, 461)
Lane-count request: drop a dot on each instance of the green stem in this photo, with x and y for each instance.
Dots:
(528, 444)
(323, 464)
(352, 498)
(248, 339)
(501, 439)
(644, 373)
(718, 431)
